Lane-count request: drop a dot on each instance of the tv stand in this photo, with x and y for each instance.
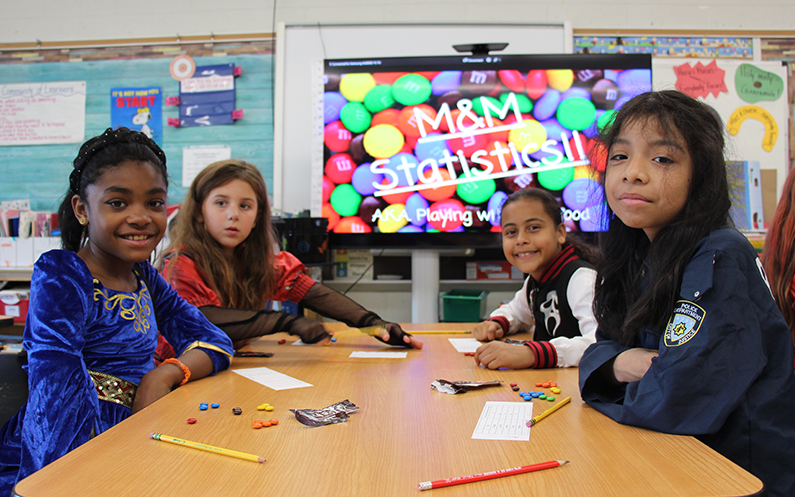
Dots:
(425, 286)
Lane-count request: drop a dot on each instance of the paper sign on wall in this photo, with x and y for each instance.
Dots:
(42, 113)
(194, 159)
(700, 80)
(754, 84)
(759, 114)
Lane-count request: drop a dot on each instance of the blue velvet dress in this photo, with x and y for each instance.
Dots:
(75, 324)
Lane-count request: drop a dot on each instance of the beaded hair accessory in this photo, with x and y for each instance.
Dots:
(109, 137)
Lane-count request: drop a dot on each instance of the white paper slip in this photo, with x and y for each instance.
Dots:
(380, 355)
(504, 421)
(271, 379)
(465, 345)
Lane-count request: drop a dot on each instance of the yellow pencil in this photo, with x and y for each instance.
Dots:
(549, 411)
(379, 330)
(208, 448)
(439, 332)
(369, 330)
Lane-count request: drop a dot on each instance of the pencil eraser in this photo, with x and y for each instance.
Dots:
(152, 435)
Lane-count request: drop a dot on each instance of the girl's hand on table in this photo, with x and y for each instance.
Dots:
(487, 331)
(494, 355)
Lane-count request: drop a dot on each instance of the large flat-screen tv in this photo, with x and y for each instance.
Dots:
(421, 152)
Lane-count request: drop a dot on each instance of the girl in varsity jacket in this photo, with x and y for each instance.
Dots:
(555, 302)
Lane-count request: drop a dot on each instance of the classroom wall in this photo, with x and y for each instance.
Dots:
(78, 20)
(48, 20)
(40, 173)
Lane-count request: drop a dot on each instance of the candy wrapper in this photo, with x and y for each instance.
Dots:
(335, 413)
(454, 387)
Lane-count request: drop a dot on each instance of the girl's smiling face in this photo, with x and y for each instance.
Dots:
(230, 213)
(648, 175)
(126, 213)
(530, 238)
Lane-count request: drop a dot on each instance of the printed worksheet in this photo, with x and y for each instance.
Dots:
(504, 421)
(379, 355)
(271, 379)
(465, 345)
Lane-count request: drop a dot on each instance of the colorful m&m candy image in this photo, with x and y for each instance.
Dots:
(419, 149)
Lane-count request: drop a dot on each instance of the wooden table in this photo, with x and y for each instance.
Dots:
(403, 434)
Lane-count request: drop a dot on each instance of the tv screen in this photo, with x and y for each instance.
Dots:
(421, 152)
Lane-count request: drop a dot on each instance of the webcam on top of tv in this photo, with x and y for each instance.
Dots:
(480, 48)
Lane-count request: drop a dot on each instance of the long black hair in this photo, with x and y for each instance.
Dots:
(621, 307)
(109, 149)
(549, 203)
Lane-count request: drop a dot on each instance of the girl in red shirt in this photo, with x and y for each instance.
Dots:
(221, 259)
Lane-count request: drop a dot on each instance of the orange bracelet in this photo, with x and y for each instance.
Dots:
(183, 367)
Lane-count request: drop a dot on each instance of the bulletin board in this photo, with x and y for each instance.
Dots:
(299, 46)
(40, 173)
(754, 122)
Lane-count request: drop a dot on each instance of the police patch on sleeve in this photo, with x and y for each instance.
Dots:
(684, 323)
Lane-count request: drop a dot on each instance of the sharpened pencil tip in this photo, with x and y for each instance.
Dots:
(563, 462)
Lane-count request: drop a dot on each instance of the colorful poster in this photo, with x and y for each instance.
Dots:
(42, 113)
(140, 109)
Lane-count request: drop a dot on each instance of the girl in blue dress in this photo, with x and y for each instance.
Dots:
(689, 338)
(96, 309)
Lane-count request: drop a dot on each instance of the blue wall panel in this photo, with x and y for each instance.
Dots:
(40, 173)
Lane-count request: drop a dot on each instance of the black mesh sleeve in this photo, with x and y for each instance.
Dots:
(242, 324)
(330, 303)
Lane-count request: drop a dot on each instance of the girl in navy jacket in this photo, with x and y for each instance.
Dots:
(689, 338)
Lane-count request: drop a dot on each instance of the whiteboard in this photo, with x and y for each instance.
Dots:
(299, 46)
(747, 144)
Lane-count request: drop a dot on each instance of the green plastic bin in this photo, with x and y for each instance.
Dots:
(464, 306)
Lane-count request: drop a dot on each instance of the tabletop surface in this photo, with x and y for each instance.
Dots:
(404, 433)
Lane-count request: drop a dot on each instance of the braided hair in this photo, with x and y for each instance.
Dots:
(109, 149)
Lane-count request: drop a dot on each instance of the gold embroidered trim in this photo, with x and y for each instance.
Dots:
(113, 389)
(204, 345)
(134, 307)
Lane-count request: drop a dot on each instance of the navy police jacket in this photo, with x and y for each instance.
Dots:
(724, 372)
